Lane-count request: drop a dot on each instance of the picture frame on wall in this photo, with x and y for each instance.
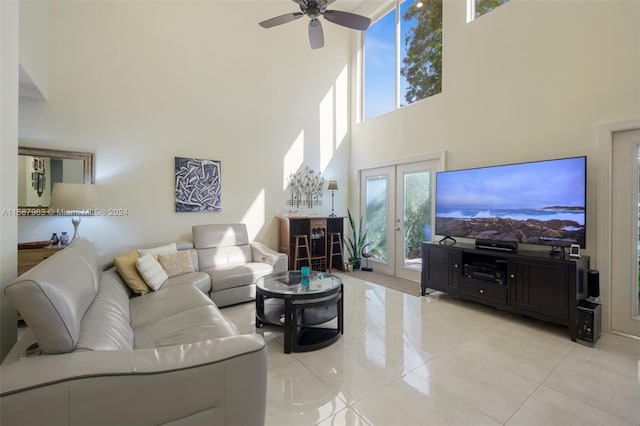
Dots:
(198, 186)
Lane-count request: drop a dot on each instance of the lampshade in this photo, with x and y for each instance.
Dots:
(333, 185)
(73, 197)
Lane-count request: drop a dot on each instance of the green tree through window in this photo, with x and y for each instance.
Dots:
(422, 65)
(484, 6)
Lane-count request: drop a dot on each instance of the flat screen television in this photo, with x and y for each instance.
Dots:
(541, 202)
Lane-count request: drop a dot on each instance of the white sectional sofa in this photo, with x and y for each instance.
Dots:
(94, 354)
(233, 263)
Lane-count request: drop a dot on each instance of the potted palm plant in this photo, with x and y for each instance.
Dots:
(355, 241)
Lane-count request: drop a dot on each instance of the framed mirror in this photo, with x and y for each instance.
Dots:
(39, 169)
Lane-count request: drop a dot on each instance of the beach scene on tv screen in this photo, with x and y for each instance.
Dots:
(536, 203)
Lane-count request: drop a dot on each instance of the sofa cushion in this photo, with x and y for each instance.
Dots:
(228, 276)
(126, 266)
(53, 298)
(188, 326)
(219, 235)
(199, 279)
(106, 324)
(151, 271)
(176, 263)
(162, 304)
(155, 251)
(222, 256)
(176, 315)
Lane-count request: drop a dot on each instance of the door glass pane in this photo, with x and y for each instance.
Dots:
(379, 67)
(417, 216)
(377, 188)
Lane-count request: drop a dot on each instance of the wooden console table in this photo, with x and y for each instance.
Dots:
(317, 230)
(28, 258)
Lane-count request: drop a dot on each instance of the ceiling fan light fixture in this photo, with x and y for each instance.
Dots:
(315, 9)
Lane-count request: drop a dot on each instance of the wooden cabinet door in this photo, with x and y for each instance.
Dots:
(540, 287)
(441, 269)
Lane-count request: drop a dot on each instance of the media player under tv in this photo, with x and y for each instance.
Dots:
(497, 245)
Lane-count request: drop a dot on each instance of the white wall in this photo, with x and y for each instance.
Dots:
(139, 83)
(33, 41)
(9, 169)
(530, 80)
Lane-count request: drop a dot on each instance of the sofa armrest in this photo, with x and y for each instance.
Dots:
(263, 253)
(218, 381)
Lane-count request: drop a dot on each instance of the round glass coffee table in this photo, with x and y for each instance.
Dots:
(302, 307)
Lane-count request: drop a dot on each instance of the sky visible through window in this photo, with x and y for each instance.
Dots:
(379, 67)
(380, 63)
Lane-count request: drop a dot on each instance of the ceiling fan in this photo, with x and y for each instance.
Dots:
(314, 9)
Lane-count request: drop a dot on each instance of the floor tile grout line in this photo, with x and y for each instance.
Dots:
(611, 413)
(347, 403)
(440, 388)
(538, 384)
(508, 369)
(523, 403)
(558, 366)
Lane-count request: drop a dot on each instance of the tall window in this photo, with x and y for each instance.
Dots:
(403, 56)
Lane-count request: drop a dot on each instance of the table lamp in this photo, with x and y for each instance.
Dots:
(75, 199)
(333, 187)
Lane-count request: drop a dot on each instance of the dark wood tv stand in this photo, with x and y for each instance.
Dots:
(537, 284)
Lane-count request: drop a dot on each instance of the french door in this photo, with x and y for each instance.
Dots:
(625, 253)
(396, 203)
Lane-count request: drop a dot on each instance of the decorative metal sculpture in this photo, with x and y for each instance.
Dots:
(306, 188)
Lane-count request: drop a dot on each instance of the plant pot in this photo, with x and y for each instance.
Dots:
(356, 264)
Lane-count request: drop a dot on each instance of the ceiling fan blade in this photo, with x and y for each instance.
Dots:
(282, 19)
(316, 35)
(347, 19)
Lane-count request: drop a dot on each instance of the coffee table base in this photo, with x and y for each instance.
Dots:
(302, 319)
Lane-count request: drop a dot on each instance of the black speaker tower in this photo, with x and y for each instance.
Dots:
(593, 284)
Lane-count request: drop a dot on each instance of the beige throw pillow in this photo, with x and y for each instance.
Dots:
(126, 267)
(168, 248)
(151, 271)
(176, 263)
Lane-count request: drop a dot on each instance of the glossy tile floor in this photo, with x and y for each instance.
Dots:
(407, 360)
